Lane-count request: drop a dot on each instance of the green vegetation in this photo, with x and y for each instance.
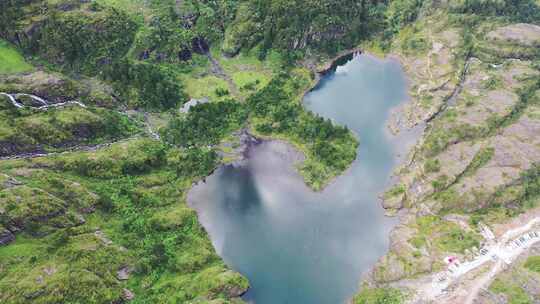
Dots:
(412, 43)
(508, 202)
(81, 217)
(297, 26)
(248, 72)
(400, 14)
(131, 197)
(206, 124)
(10, 13)
(85, 40)
(514, 293)
(454, 239)
(516, 10)
(11, 61)
(432, 165)
(26, 130)
(153, 86)
(95, 40)
(55, 88)
(208, 86)
(379, 296)
(444, 235)
(395, 191)
(178, 30)
(440, 183)
(87, 215)
(275, 112)
(479, 160)
(533, 263)
(441, 136)
(75, 267)
(492, 83)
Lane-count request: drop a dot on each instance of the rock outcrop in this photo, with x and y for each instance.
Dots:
(521, 33)
(6, 236)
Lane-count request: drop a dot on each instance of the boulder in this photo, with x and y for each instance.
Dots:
(127, 294)
(6, 236)
(123, 273)
(393, 202)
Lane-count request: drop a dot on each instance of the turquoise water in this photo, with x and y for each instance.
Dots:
(294, 245)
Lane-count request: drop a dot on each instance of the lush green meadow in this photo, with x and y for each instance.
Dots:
(11, 61)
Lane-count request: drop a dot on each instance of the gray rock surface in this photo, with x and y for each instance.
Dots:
(521, 33)
(6, 236)
(123, 273)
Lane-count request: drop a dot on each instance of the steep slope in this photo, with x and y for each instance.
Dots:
(92, 196)
(475, 87)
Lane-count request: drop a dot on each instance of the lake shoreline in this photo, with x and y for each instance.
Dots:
(250, 140)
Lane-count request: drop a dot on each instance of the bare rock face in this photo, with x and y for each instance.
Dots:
(127, 294)
(389, 269)
(432, 76)
(394, 202)
(515, 150)
(236, 291)
(486, 297)
(487, 92)
(103, 238)
(521, 33)
(455, 161)
(8, 182)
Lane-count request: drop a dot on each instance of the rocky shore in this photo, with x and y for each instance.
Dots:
(477, 143)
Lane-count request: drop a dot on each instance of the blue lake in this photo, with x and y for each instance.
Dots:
(294, 245)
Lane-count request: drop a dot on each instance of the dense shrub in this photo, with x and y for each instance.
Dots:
(155, 86)
(288, 26)
(533, 263)
(516, 10)
(379, 296)
(85, 41)
(206, 124)
(330, 148)
(193, 162)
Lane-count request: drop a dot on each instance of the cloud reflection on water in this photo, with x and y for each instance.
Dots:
(294, 245)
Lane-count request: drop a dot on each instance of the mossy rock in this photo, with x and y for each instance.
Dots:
(23, 206)
(30, 131)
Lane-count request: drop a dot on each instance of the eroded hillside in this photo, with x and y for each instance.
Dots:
(475, 86)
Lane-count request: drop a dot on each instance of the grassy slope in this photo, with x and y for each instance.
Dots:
(57, 256)
(27, 130)
(11, 61)
(101, 211)
(139, 202)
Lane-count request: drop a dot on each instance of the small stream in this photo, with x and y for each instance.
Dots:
(294, 245)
